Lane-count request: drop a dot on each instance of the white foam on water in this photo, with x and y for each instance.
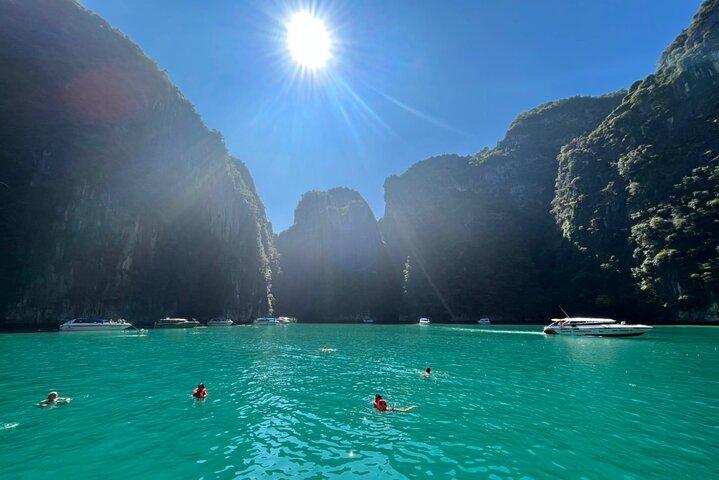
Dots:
(487, 330)
(519, 332)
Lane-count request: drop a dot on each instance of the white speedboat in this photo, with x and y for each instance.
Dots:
(594, 327)
(168, 322)
(94, 325)
(266, 321)
(484, 321)
(286, 320)
(424, 321)
(220, 322)
(367, 320)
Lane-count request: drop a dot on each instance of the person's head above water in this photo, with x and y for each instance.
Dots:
(201, 386)
(52, 396)
(380, 403)
(428, 370)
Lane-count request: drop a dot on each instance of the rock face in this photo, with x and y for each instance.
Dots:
(641, 191)
(474, 236)
(115, 199)
(333, 264)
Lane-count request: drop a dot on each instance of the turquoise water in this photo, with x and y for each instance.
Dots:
(506, 402)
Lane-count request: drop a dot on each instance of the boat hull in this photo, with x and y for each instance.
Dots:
(178, 325)
(266, 321)
(94, 328)
(598, 332)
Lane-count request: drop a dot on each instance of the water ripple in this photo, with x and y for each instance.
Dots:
(295, 402)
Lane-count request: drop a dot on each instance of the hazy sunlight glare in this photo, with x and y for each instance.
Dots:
(308, 40)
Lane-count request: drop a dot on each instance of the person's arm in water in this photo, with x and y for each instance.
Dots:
(57, 401)
(401, 409)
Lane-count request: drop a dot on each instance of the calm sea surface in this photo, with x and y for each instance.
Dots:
(505, 402)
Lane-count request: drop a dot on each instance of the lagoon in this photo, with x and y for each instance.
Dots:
(505, 402)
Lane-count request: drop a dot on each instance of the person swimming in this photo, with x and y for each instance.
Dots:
(200, 392)
(53, 399)
(381, 405)
(427, 372)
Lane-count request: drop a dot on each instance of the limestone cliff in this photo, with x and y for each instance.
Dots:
(115, 199)
(474, 235)
(333, 262)
(641, 191)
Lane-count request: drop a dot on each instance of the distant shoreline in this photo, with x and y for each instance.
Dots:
(20, 329)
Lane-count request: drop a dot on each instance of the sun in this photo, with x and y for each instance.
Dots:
(308, 41)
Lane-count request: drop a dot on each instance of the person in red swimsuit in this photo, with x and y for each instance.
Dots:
(200, 392)
(381, 405)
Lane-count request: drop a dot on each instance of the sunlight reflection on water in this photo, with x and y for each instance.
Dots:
(507, 402)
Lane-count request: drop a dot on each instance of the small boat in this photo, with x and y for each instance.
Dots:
(266, 321)
(94, 325)
(424, 321)
(168, 322)
(286, 320)
(484, 321)
(367, 320)
(594, 327)
(220, 322)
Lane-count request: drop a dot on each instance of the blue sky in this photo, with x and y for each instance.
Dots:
(408, 79)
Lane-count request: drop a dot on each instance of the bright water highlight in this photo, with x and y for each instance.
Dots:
(504, 403)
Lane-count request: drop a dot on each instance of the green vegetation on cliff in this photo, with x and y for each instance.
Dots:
(115, 198)
(474, 235)
(630, 179)
(606, 206)
(640, 192)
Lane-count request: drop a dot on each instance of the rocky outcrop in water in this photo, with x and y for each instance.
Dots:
(333, 263)
(630, 178)
(115, 199)
(641, 191)
(474, 236)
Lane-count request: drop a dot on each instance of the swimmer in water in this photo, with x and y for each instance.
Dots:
(381, 405)
(200, 392)
(53, 399)
(427, 372)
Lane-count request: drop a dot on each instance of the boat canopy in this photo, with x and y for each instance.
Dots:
(92, 320)
(583, 320)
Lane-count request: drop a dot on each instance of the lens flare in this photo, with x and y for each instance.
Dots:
(308, 41)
